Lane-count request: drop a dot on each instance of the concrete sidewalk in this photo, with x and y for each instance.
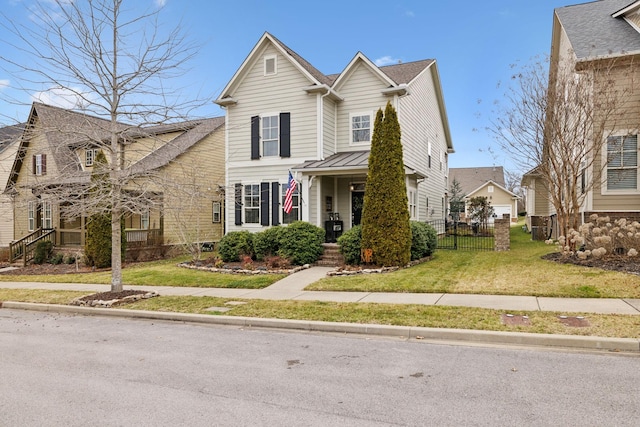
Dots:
(292, 288)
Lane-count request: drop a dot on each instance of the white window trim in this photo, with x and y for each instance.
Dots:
(603, 179)
(94, 152)
(47, 214)
(262, 117)
(350, 124)
(38, 170)
(216, 209)
(275, 65)
(244, 205)
(31, 214)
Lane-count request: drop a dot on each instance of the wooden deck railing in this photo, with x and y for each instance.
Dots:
(25, 247)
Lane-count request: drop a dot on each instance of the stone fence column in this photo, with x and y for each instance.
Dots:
(501, 233)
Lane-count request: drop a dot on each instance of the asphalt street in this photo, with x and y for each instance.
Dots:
(74, 370)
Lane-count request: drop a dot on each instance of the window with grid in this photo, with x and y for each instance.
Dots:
(90, 156)
(217, 211)
(360, 128)
(270, 133)
(622, 162)
(47, 219)
(252, 204)
(31, 214)
(412, 204)
(294, 215)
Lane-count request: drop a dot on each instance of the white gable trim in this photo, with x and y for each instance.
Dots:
(344, 75)
(491, 182)
(237, 77)
(627, 9)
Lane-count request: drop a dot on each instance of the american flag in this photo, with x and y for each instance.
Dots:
(288, 197)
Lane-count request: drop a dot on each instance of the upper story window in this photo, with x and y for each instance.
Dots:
(270, 65)
(90, 156)
(361, 127)
(622, 163)
(39, 164)
(270, 135)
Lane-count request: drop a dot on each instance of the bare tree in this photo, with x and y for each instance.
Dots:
(113, 63)
(556, 119)
(512, 182)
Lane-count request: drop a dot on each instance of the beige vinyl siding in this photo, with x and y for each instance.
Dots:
(361, 91)
(142, 147)
(329, 127)
(421, 123)
(6, 220)
(282, 92)
(203, 166)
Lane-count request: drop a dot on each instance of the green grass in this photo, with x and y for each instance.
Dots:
(520, 271)
(158, 273)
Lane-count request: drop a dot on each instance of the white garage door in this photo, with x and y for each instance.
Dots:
(499, 210)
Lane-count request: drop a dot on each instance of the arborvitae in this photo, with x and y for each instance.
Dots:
(97, 247)
(386, 228)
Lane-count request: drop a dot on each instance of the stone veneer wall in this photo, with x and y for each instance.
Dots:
(501, 233)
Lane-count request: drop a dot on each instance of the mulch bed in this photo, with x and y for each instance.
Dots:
(623, 264)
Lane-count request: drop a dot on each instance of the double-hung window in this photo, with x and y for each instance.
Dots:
(252, 204)
(622, 163)
(216, 212)
(361, 127)
(39, 164)
(294, 215)
(413, 206)
(144, 220)
(31, 214)
(270, 133)
(47, 219)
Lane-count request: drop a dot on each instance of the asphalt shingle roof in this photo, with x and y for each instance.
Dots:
(471, 179)
(593, 32)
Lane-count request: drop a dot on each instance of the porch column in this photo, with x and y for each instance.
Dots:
(306, 184)
(318, 208)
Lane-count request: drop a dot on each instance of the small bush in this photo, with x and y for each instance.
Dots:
(350, 245)
(301, 243)
(43, 252)
(56, 259)
(236, 244)
(424, 240)
(70, 259)
(267, 243)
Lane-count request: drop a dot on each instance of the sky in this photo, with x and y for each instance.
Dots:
(475, 44)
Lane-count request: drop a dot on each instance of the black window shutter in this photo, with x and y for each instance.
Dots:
(264, 203)
(33, 164)
(275, 203)
(285, 135)
(238, 203)
(44, 164)
(255, 137)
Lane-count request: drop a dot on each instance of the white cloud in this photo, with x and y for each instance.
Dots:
(160, 3)
(59, 97)
(410, 14)
(386, 60)
(4, 83)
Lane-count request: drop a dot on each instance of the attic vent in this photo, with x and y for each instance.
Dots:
(270, 65)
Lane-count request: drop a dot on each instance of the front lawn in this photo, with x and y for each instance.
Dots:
(520, 271)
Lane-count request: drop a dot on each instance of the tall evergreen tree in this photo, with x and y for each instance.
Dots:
(386, 228)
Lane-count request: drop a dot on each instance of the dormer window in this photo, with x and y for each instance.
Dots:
(270, 65)
(90, 156)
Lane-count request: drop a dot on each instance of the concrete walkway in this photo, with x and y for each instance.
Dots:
(292, 288)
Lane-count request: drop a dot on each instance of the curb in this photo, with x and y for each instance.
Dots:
(410, 332)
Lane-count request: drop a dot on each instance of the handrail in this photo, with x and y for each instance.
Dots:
(25, 247)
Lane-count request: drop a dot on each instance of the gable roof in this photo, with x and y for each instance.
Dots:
(64, 130)
(596, 29)
(471, 179)
(9, 135)
(495, 184)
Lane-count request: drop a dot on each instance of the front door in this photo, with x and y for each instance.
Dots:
(357, 202)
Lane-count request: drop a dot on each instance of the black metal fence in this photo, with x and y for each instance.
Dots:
(460, 235)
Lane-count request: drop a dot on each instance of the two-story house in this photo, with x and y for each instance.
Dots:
(282, 115)
(599, 32)
(171, 198)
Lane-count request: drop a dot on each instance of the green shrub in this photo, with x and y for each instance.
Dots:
(97, 248)
(350, 245)
(70, 259)
(424, 239)
(267, 243)
(236, 244)
(56, 259)
(43, 251)
(301, 243)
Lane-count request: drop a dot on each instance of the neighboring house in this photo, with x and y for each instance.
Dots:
(284, 115)
(486, 182)
(177, 169)
(605, 30)
(9, 137)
